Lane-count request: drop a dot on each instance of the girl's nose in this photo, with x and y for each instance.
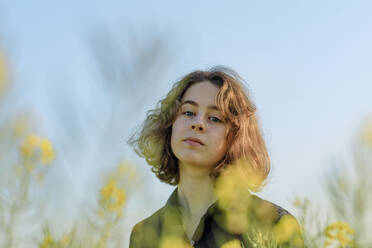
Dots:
(198, 124)
(198, 127)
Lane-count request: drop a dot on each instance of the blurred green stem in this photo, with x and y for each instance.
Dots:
(16, 208)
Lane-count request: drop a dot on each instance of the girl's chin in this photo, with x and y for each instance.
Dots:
(196, 164)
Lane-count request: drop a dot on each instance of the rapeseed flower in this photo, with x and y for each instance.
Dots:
(3, 76)
(367, 133)
(340, 233)
(47, 242)
(39, 148)
(66, 239)
(235, 243)
(20, 126)
(300, 203)
(232, 189)
(112, 197)
(173, 241)
(125, 168)
(30, 146)
(233, 185)
(287, 230)
(47, 152)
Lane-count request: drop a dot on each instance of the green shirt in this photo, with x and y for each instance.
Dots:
(164, 228)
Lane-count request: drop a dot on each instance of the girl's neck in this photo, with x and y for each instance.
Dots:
(195, 191)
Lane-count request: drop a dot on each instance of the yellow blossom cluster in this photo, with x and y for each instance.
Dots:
(339, 233)
(3, 76)
(287, 230)
(235, 243)
(21, 125)
(125, 168)
(66, 239)
(301, 203)
(112, 197)
(233, 185)
(173, 241)
(234, 197)
(47, 242)
(367, 133)
(233, 191)
(34, 146)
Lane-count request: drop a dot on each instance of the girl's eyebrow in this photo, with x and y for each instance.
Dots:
(191, 102)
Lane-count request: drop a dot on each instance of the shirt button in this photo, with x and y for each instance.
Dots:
(192, 242)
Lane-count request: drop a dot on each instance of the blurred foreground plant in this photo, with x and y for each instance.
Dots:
(105, 223)
(260, 222)
(312, 225)
(35, 154)
(350, 190)
(67, 240)
(108, 217)
(339, 234)
(3, 74)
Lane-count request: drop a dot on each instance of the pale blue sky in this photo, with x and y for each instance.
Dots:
(307, 63)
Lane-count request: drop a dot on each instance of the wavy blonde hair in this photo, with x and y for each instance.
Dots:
(153, 138)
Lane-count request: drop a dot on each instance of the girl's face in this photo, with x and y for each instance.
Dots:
(199, 132)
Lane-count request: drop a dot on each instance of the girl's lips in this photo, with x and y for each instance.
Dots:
(194, 140)
(193, 143)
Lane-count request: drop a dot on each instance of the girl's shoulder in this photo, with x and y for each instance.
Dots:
(284, 227)
(262, 208)
(146, 232)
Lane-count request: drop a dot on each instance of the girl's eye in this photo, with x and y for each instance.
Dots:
(188, 113)
(215, 119)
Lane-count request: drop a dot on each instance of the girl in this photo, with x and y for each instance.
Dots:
(204, 138)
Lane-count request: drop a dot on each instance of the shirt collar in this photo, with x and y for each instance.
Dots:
(174, 203)
(172, 210)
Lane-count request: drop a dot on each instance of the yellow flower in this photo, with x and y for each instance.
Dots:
(235, 243)
(297, 202)
(3, 76)
(112, 197)
(47, 242)
(20, 126)
(327, 243)
(367, 133)
(30, 145)
(300, 203)
(339, 232)
(233, 191)
(237, 220)
(66, 240)
(233, 185)
(33, 145)
(47, 152)
(286, 230)
(172, 242)
(125, 168)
